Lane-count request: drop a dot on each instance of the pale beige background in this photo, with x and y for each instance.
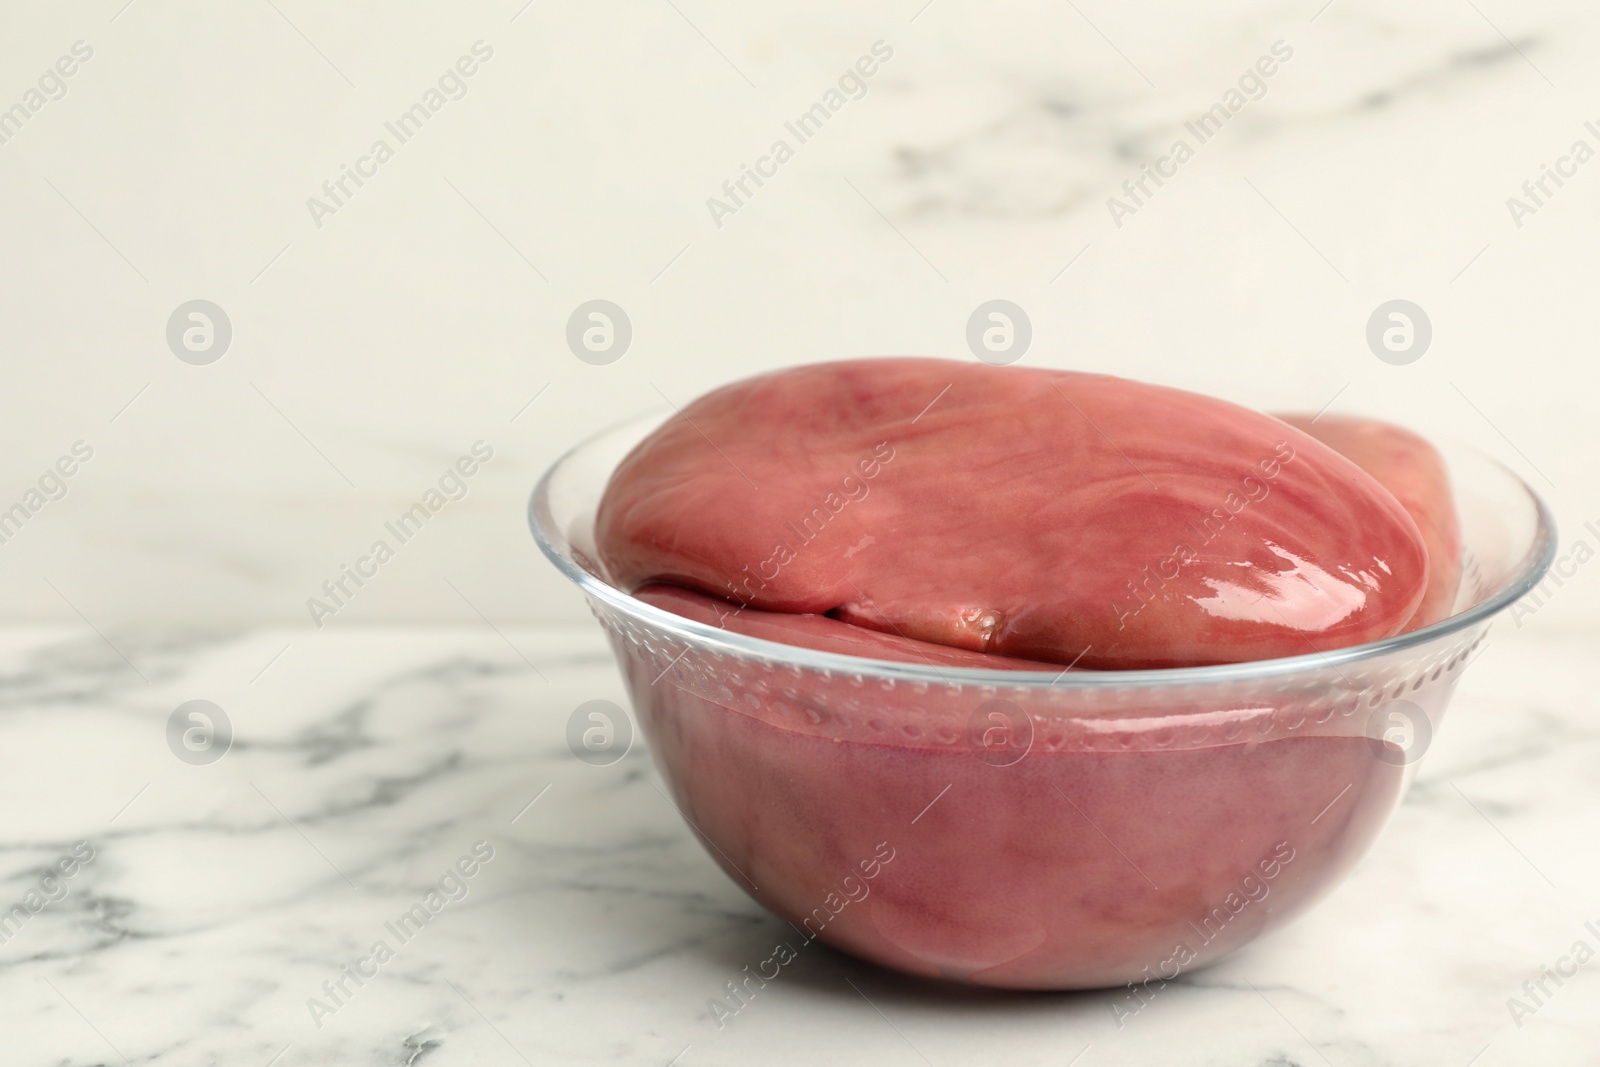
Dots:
(415, 321)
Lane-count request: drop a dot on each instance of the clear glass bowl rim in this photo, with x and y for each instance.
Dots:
(1529, 572)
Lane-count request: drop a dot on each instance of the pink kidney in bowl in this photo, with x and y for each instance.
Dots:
(1035, 828)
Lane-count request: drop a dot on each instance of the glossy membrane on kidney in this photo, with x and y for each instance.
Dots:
(1039, 514)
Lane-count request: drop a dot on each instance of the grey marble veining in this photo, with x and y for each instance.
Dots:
(1060, 146)
(223, 902)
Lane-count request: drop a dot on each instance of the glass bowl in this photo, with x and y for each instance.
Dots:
(1037, 830)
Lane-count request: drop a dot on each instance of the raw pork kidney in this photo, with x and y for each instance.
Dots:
(1039, 514)
(823, 633)
(1414, 472)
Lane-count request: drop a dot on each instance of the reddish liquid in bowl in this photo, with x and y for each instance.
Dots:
(1067, 869)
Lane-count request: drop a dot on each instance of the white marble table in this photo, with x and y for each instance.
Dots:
(365, 763)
